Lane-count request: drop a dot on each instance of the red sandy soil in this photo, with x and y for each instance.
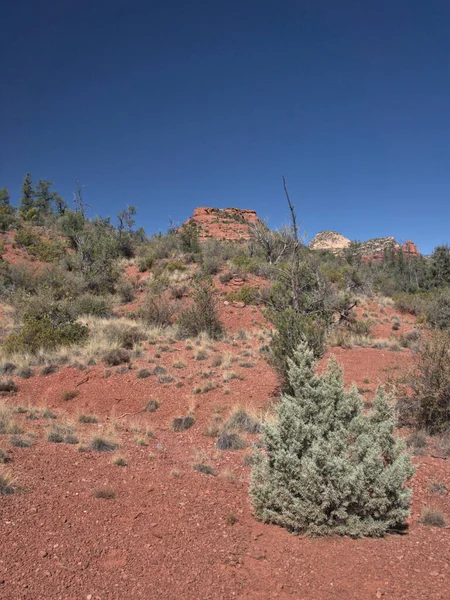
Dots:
(172, 532)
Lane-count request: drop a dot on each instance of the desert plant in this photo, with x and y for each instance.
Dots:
(115, 357)
(8, 386)
(326, 467)
(92, 419)
(241, 420)
(7, 482)
(431, 382)
(230, 440)
(104, 493)
(204, 468)
(182, 423)
(432, 517)
(120, 461)
(20, 442)
(143, 373)
(157, 310)
(102, 444)
(203, 316)
(152, 405)
(62, 434)
(49, 329)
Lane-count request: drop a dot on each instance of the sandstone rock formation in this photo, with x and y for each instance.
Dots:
(224, 223)
(371, 251)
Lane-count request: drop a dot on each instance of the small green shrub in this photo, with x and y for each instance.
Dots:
(246, 294)
(47, 330)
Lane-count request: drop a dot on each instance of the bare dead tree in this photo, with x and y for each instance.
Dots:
(80, 206)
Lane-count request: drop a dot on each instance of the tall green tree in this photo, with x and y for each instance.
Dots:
(27, 208)
(7, 212)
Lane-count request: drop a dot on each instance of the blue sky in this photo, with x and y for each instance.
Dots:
(171, 105)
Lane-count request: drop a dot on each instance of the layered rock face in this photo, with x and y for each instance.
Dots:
(371, 251)
(224, 223)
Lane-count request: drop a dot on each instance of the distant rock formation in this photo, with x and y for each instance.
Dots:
(224, 223)
(329, 240)
(371, 251)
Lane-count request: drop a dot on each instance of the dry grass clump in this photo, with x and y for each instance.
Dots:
(103, 444)
(8, 386)
(201, 354)
(143, 373)
(183, 423)
(49, 369)
(178, 365)
(432, 517)
(120, 461)
(70, 394)
(152, 406)
(231, 441)
(61, 433)
(116, 357)
(7, 482)
(204, 468)
(244, 421)
(87, 419)
(7, 424)
(438, 488)
(104, 493)
(20, 442)
(4, 457)
(206, 387)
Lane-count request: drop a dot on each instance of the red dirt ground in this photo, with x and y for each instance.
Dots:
(172, 532)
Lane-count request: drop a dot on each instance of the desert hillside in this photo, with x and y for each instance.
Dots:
(138, 376)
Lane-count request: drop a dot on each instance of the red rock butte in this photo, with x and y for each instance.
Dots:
(224, 223)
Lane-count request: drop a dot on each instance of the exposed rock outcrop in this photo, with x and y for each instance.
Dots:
(224, 223)
(371, 251)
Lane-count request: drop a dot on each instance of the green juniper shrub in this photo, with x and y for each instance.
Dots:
(247, 294)
(50, 329)
(326, 467)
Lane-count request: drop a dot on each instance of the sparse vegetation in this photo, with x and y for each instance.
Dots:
(183, 423)
(102, 444)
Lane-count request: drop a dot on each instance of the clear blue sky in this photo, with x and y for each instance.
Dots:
(173, 104)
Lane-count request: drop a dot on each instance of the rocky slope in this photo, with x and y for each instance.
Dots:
(224, 223)
(372, 250)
